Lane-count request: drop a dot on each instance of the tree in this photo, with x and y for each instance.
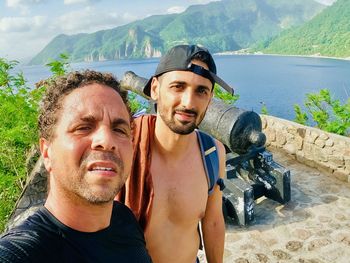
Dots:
(18, 132)
(329, 114)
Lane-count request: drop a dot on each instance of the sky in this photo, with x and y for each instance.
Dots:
(27, 26)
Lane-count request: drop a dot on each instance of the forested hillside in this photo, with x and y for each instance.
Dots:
(328, 34)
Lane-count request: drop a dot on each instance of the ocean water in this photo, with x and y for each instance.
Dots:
(279, 82)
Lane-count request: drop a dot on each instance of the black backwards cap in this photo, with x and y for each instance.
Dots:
(179, 58)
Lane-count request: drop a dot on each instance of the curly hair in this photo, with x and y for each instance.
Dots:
(57, 89)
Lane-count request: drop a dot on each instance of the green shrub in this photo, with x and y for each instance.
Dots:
(264, 109)
(224, 95)
(18, 132)
(61, 66)
(136, 104)
(327, 113)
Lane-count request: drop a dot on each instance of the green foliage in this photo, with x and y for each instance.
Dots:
(327, 34)
(135, 104)
(328, 113)
(18, 132)
(300, 116)
(9, 193)
(7, 80)
(224, 95)
(264, 109)
(61, 66)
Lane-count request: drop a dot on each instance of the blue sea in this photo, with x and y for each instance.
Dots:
(279, 82)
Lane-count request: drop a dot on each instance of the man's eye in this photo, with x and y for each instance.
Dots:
(202, 91)
(83, 128)
(122, 131)
(177, 86)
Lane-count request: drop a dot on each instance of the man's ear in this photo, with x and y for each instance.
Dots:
(45, 153)
(154, 88)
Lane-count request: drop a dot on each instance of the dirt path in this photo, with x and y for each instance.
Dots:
(313, 227)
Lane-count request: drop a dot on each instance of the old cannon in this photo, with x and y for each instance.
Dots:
(250, 169)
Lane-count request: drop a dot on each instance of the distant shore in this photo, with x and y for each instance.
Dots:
(240, 52)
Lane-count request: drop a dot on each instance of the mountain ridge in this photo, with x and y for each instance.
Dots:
(220, 26)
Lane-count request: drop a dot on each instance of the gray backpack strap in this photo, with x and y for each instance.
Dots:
(210, 158)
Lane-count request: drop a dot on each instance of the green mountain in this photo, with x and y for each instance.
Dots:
(221, 26)
(327, 34)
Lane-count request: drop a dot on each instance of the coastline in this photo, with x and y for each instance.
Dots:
(230, 53)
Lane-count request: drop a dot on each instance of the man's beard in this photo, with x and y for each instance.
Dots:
(184, 127)
(83, 189)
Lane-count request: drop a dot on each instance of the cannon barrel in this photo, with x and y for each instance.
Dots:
(238, 129)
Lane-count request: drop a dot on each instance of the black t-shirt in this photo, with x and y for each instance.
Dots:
(42, 238)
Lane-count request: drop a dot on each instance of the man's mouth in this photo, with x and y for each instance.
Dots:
(102, 163)
(186, 116)
(102, 169)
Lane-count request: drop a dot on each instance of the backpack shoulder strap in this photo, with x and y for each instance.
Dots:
(210, 158)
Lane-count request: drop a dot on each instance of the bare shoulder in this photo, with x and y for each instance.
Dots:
(221, 148)
(222, 157)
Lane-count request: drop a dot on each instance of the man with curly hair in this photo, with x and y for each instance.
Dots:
(85, 140)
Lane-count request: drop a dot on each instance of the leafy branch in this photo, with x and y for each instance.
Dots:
(225, 96)
(328, 113)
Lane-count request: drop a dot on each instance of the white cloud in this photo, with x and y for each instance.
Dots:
(22, 5)
(326, 2)
(22, 24)
(20, 46)
(22, 37)
(205, 1)
(72, 2)
(175, 9)
(89, 19)
(19, 3)
(180, 9)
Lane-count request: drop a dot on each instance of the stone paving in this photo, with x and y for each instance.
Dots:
(314, 227)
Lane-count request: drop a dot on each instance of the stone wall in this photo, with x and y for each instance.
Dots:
(327, 152)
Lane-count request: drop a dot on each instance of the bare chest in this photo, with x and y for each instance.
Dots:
(180, 189)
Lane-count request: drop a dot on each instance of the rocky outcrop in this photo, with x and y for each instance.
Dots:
(136, 44)
(150, 51)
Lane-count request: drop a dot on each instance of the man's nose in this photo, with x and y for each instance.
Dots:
(103, 139)
(187, 99)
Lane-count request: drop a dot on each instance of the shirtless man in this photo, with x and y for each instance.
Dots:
(168, 187)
